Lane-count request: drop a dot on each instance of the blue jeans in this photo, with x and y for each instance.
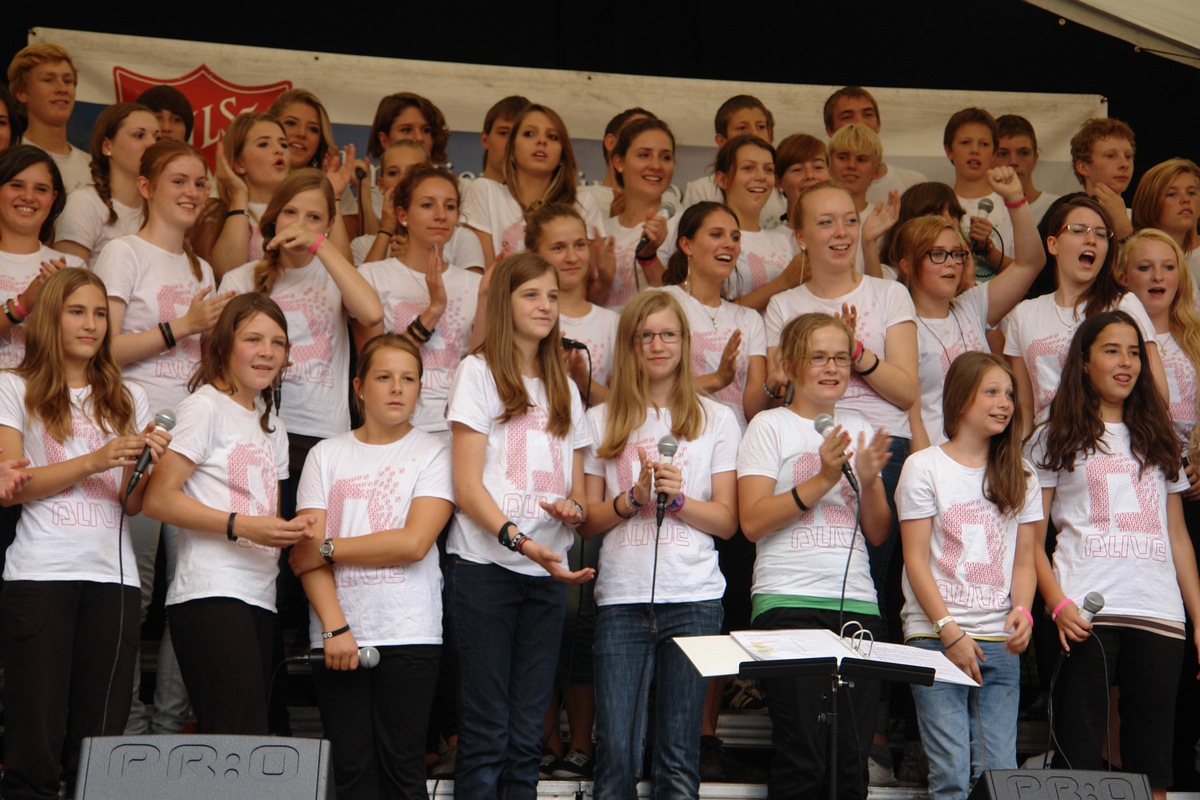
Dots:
(507, 629)
(968, 730)
(630, 647)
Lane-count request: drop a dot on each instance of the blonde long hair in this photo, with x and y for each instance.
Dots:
(1185, 322)
(267, 270)
(630, 384)
(499, 347)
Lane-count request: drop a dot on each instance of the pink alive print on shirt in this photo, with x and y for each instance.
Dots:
(627, 275)
(525, 434)
(512, 240)
(445, 348)
(1181, 380)
(640, 531)
(97, 486)
(1113, 481)
(629, 457)
(312, 343)
(253, 474)
(838, 530)
(380, 494)
(1052, 351)
(972, 518)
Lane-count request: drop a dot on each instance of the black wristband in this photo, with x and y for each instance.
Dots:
(799, 502)
(874, 367)
(338, 632)
(632, 513)
(8, 313)
(229, 527)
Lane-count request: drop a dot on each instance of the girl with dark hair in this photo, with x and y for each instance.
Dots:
(69, 609)
(111, 206)
(1109, 466)
(10, 120)
(219, 484)
(968, 510)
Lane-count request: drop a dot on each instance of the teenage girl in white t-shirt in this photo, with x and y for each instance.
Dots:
(518, 435)
(539, 165)
(69, 609)
(658, 574)
(968, 510)
(219, 484)
(111, 207)
(379, 496)
(1109, 466)
(811, 569)
(28, 175)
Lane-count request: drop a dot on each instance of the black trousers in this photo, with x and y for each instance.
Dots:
(60, 639)
(224, 651)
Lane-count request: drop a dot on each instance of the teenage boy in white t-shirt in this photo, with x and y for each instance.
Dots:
(42, 79)
(852, 104)
(1017, 147)
(970, 140)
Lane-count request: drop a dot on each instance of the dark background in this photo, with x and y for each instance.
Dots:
(1002, 45)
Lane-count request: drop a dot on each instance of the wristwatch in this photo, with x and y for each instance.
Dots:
(327, 551)
(941, 623)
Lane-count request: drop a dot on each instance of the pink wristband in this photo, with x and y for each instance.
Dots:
(1028, 616)
(1059, 607)
(317, 244)
(16, 301)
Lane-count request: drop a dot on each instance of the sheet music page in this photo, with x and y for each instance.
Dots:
(776, 645)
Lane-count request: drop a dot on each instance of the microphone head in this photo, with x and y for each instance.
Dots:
(667, 447)
(824, 424)
(368, 657)
(165, 419)
(985, 206)
(573, 344)
(1093, 603)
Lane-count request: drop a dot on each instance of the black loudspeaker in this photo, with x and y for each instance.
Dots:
(1060, 784)
(194, 767)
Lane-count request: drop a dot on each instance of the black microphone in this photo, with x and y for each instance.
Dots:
(367, 657)
(165, 420)
(824, 425)
(985, 207)
(663, 212)
(1092, 605)
(572, 344)
(360, 174)
(667, 446)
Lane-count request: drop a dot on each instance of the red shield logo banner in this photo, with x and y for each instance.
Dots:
(215, 100)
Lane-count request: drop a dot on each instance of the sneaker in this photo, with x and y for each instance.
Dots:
(712, 760)
(574, 766)
(913, 769)
(745, 695)
(879, 767)
(547, 765)
(443, 768)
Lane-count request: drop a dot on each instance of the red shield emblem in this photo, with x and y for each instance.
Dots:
(216, 101)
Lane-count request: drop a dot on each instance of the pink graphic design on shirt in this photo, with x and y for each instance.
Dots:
(312, 341)
(253, 474)
(381, 495)
(838, 528)
(512, 240)
(97, 486)
(756, 268)
(872, 341)
(629, 457)
(625, 280)
(1052, 348)
(446, 346)
(521, 430)
(955, 520)
(174, 300)
(707, 347)
(1143, 521)
(1181, 378)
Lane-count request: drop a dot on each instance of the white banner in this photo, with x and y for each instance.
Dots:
(350, 87)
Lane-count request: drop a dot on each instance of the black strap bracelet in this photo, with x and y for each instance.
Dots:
(632, 513)
(420, 326)
(229, 527)
(338, 632)
(233, 212)
(8, 313)
(417, 335)
(874, 367)
(799, 502)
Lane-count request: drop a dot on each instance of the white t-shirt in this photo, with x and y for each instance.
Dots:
(687, 557)
(897, 179)
(366, 488)
(462, 250)
(156, 286)
(84, 221)
(1039, 331)
(75, 167)
(881, 304)
(238, 468)
(491, 208)
(705, 189)
(711, 329)
(765, 254)
(1040, 206)
(939, 342)
(971, 544)
(404, 295)
(316, 385)
(598, 330)
(1112, 529)
(1181, 380)
(69, 536)
(524, 465)
(807, 556)
(630, 278)
(603, 195)
(17, 271)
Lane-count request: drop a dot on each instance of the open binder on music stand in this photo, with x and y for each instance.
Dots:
(770, 653)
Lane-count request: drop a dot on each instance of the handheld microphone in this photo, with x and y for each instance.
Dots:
(165, 420)
(824, 425)
(360, 174)
(663, 212)
(667, 447)
(1092, 605)
(573, 344)
(367, 657)
(985, 207)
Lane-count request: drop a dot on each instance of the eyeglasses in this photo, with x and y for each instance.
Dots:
(821, 359)
(1079, 228)
(938, 255)
(666, 337)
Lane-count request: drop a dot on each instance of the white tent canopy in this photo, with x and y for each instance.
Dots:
(1170, 28)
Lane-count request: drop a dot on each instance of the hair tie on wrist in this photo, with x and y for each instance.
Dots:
(799, 502)
(632, 513)
(874, 367)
